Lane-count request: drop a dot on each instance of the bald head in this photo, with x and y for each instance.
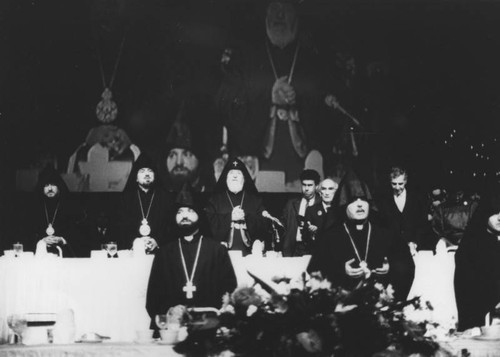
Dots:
(327, 189)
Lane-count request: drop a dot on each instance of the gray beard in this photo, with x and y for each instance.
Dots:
(235, 187)
(281, 38)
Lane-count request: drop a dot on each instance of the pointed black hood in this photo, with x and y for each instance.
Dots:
(235, 164)
(144, 160)
(50, 175)
(351, 188)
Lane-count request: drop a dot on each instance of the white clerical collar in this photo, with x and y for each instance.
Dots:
(189, 238)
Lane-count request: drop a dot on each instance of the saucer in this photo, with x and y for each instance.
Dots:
(486, 338)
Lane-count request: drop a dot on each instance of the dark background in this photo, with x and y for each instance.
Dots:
(440, 60)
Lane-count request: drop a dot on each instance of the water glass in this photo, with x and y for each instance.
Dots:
(18, 248)
(112, 248)
(18, 323)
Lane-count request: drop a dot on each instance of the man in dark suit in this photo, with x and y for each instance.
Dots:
(294, 212)
(322, 215)
(406, 213)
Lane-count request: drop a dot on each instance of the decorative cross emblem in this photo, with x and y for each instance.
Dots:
(189, 289)
(235, 163)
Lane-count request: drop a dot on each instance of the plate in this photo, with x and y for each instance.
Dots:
(486, 338)
(89, 341)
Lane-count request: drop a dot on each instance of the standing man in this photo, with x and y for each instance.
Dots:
(235, 211)
(144, 208)
(322, 215)
(405, 212)
(358, 247)
(192, 270)
(294, 242)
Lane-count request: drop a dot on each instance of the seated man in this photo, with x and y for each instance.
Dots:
(51, 222)
(357, 247)
(235, 211)
(193, 270)
(477, 265)
(144, 208)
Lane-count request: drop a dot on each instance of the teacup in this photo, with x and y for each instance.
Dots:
(492, 331)
(144, 335)
(169, 336)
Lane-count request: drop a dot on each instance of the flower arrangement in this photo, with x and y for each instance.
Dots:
(310, 317)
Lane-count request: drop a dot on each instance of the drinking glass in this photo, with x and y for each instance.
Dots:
(18, 248)
(18, 323)
(161, 321)
(112, 248)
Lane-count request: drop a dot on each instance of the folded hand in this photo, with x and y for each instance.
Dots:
(353, 272)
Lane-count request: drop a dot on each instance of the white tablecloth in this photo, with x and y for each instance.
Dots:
(108, 296)
(90, 350)
(434, 283)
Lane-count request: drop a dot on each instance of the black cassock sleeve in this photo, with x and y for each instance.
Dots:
(227, 277)
(402, 267)
(219, 219)
(157, 294)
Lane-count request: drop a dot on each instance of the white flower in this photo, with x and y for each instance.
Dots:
(297, 284)
(252, 309)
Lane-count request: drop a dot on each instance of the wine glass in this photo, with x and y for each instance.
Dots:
(161, 321)
(112, 248)
(18, 248)
(18, 323)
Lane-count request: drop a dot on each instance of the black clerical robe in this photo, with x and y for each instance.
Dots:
(335, 249)
(130, 215)
(219, 210)
(477, 277)
(64, 213)
(213, 277)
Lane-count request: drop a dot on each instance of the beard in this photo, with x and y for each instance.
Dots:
(180, 174)
(281, 36)
(186, 230)
(235, 186)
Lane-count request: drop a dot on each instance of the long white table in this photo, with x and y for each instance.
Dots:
(108, 295)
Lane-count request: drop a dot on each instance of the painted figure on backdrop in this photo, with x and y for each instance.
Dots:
(51, 222)
(406, 213)
(193, 270)
(358, 246)
(187, 152)
(235, 211)
(272, 97)
(144, 209)
(294, 243)
(477, 272)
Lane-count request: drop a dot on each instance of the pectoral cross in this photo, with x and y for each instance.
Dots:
(189, 288)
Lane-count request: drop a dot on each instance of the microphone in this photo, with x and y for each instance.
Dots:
(266, 214)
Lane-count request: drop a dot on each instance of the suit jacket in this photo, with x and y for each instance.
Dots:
(290, 221)
(411, 224)
(317, 216)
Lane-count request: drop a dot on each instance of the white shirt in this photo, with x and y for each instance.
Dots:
(401, 200)
(302, 212)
